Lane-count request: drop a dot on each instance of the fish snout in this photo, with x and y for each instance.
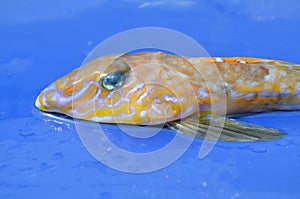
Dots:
(51, 100)
(40, 103)
(71, 99)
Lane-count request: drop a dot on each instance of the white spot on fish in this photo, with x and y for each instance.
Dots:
(132, 109)
(202, 92)
(267, 78)
(216, 88)
(108, 118)
(184, 76)
(109, 95)
(272, 75)
(142, 97)
(169, 98)
(283, 87)
(227, 87)
(289, 66)
(283, 73)
(252, 84)
(250, 95)
(157, 100)
(235, 94)
(241, 61)
(143, 113)
(156, 110)
(219, 59)
(182, 100)
(66, 81)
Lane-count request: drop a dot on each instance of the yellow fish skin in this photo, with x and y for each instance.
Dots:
(155, 88)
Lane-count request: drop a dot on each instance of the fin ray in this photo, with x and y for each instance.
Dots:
(231, 130)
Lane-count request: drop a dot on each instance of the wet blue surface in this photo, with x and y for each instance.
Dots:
(43, 157)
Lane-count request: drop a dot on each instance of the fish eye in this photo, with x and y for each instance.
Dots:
(116, 76)
(113, 80)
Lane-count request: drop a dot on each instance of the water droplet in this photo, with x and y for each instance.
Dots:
(285, 143)
(89, 43)
(44, 165)
(58, 156)
(242, 147)
(259, 149)
(59, 129)
(26, 133)
(106, 195)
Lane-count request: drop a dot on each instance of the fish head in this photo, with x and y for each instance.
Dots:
(122, 88)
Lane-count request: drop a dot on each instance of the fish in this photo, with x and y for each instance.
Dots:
(189, 95)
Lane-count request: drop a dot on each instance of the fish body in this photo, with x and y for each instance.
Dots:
(158, 88)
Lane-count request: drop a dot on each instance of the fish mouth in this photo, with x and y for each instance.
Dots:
(39, 103)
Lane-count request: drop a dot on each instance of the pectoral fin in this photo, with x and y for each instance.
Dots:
(224, 129)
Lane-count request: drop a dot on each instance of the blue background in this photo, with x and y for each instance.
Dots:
(42, 157)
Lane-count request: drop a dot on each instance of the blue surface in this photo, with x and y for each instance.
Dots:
(41, 157)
